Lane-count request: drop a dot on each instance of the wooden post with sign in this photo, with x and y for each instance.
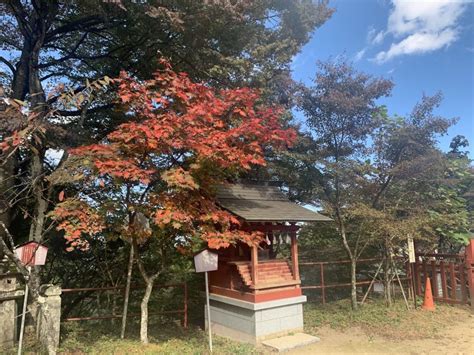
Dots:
(469, 262)
(412, 260)
(30, 254)
(206, 261)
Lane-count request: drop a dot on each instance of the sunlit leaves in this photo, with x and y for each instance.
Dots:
(77, 219)
(181, 140)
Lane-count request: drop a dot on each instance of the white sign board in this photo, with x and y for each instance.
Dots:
(205, 261)
(32, 253)
(411, 250)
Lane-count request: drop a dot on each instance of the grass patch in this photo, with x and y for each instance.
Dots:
(376, 319)
(195, 342)
(166, 337)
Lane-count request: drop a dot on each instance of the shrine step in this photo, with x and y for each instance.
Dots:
(283, 283)
(268, 279)
(269, 273)
(266, 266)
(289, 342)
(268, 270)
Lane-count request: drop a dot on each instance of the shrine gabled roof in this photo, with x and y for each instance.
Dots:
(256, 203)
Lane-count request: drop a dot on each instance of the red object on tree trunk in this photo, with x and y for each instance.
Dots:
(32, 253)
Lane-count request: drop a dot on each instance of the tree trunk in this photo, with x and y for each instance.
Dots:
(144, 313)
(149, 280)
(387, 276)
(352, 257)
(26, 81)
(354, 304)
(19, 90)
(36, 227)
(127, 292)
(387, 285)
(21, 76)
(7, 182)
(41, 205)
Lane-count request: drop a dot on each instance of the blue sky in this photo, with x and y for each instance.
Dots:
(423, 46)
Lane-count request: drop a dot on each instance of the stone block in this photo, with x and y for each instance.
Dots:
(8, 310)
(290, 342)
(278, 312)
(254, 322)
(49, 317)
(8, 334)
(238, 323)
(291, 322)
(272, 326)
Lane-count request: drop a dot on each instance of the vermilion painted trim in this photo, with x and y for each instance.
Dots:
(256, 298)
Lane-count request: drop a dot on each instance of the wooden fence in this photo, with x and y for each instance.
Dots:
(90, 290)
(322, 266)
(450, 276)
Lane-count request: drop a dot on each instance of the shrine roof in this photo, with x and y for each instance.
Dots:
(257, 203)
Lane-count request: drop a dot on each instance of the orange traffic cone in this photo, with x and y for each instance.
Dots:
(428, 303)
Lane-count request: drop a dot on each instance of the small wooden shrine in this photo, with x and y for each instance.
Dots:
(255, 279)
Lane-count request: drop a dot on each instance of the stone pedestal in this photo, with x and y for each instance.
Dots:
(8, 310)
(49, 317)
(254, 322)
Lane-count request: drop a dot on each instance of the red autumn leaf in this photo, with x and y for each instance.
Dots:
(182, 139)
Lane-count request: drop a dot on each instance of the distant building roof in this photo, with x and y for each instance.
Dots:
(256, 203)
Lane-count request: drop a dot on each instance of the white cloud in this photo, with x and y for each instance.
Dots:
(374, 37)
(418, 43)
(371, 34)
(378, 38)
(421, 26)
(360, 54)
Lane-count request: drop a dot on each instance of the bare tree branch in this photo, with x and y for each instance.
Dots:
(8, 64)
(10, 254)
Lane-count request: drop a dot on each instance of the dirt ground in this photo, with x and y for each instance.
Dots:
(457, 338)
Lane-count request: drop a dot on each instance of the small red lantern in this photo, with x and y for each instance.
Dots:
(32, 253)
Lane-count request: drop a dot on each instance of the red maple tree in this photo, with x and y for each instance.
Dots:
(182, 139)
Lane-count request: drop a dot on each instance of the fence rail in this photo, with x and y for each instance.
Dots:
(449, 278)
(183, 311)
(323, 286)
(452, 275)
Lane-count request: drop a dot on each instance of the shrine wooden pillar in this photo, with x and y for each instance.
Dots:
(254, 264)
(294, 254)
(469, 261)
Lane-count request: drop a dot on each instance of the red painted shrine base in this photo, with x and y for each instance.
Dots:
(262, 296)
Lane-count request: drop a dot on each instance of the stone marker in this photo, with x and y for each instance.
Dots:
(290, 342)
(8, 309)
(49, 317)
